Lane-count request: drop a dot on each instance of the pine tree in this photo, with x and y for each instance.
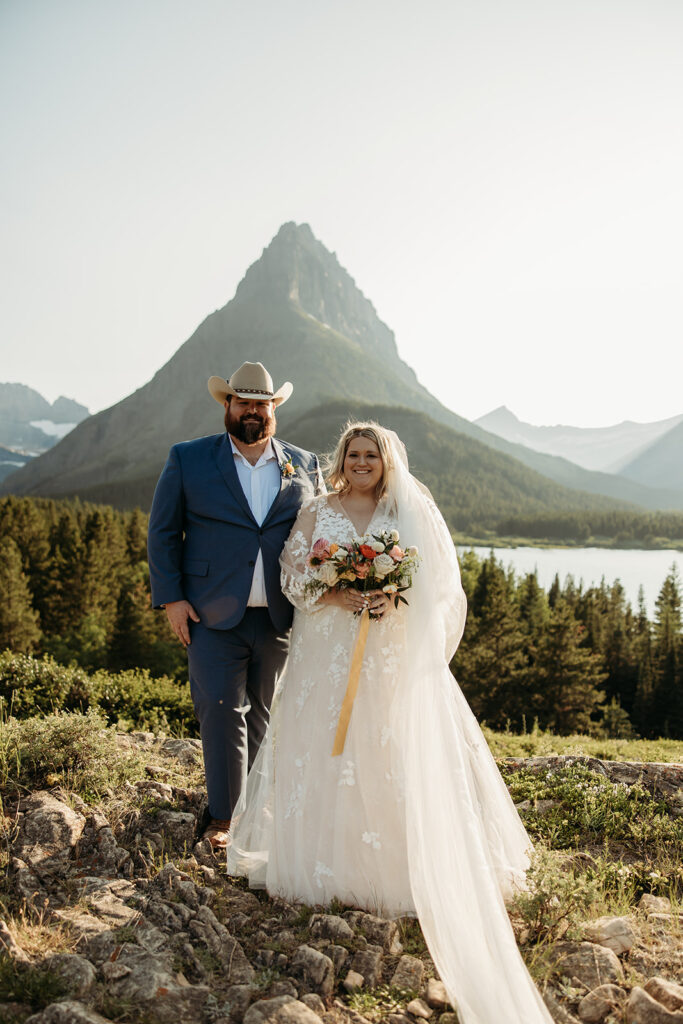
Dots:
(566, 677)
(668, 650)
(18, 620)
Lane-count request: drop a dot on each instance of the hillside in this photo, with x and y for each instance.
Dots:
(299, 312)
(30, 424)
(662, 460)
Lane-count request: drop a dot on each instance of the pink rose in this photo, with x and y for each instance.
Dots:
(321, 548)
(396, 553)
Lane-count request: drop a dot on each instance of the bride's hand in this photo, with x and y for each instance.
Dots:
(347, 598)
(379, 603)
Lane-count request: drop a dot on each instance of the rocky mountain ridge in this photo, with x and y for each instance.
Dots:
(30, 425)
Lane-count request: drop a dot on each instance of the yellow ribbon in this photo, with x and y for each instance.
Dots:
(352, 685)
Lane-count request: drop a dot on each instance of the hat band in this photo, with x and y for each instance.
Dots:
(253, 391)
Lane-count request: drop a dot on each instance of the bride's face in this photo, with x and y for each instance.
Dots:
(363, 465)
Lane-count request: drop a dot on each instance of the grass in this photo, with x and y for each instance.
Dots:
(375, 1003)
(538, 743)
(21, 983)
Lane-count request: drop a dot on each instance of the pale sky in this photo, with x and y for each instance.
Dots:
(502, 179)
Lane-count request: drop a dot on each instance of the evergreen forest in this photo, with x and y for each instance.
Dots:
(75, 589)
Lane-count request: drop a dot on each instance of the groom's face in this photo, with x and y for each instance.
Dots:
(249, 421)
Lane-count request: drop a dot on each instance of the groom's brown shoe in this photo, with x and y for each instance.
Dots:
(217, 833)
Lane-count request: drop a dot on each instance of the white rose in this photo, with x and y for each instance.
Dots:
(376, 545)
(412, 552)
(341, 554)
(394, 536)
(327, 574)
(383, 564)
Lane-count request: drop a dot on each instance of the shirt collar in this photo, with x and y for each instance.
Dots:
(268, 454)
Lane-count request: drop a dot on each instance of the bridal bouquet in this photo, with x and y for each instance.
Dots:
(374, 563)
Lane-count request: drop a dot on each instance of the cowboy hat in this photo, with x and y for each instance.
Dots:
(252, 380)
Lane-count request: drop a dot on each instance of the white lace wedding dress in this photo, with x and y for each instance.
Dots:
(413, 817)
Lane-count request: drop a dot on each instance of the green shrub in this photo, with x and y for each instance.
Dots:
(73, 750)
(131, 699)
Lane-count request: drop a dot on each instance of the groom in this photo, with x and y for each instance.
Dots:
(222, 510)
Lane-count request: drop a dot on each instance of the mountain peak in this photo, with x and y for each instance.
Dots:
(296, 269)
(502, 416)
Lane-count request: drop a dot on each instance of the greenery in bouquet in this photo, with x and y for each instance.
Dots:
(374, 562)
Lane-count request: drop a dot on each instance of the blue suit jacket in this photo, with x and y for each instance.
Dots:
(203, 539)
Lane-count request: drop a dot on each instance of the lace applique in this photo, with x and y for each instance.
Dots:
(307, 685)
(297, 790)
(385, 735)
(372, 839)
(321, 870)
(348, 775)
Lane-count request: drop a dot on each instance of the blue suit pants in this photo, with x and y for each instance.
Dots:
(233, 674)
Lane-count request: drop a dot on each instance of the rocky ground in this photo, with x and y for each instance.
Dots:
(114, 913)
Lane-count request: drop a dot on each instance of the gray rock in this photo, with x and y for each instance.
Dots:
(187, 752)
(560, 1014)
(283, 987)
(67, 1012)
(338, 955)
(353, 981)
(448, 1018)
(436, 994)
(238, 998)
(281, 1010)
(654, 904)
(48, 833)
(642, 1008)
(77, 972)
(152, 981)
(409, 974)
(160, 792)
(418, 1008)
(207, 929)
(594, 1007)
(615, 933)
(668, 993)
(177, 829)
(328, 926)
(591, 964)
(369, 964)
(315, 970)
(377, 930)
(314, 1002)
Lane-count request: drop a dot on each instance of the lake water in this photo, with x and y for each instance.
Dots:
(589, 565)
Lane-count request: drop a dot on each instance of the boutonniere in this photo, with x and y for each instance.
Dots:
(287, 467)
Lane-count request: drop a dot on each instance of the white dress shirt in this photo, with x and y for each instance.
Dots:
(261, 486)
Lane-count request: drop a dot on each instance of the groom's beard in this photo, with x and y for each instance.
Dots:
(250, 427)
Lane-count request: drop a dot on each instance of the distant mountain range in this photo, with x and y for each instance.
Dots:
(650, 454)
(299, 312)
(30, 425)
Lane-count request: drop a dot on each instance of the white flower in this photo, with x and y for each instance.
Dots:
(327, 574)
(394, 536)
(341, 553)
(376, 545)
(383, 564)
(372, 839)
(390, 588)
(412, 551)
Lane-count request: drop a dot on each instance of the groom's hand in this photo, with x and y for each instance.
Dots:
(179, 612)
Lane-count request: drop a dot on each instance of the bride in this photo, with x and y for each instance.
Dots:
(412, 817)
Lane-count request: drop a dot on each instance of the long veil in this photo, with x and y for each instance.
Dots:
(467, 848)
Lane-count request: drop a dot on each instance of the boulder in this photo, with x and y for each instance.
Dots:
(328, 926)
(436, 995)
(281, 1010)
(668, 993)
(615, 933)
(67, 1012)
(48, 833)
(368, 963)
(418, 1008)
(377, 930)
(78, 974)
(594, 1007)
(654, 904)
(353, 981)
(590, 964)
(315, 970)
(409, 974)
(642, 1008)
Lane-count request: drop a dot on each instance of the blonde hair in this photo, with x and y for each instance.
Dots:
(335, 462)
